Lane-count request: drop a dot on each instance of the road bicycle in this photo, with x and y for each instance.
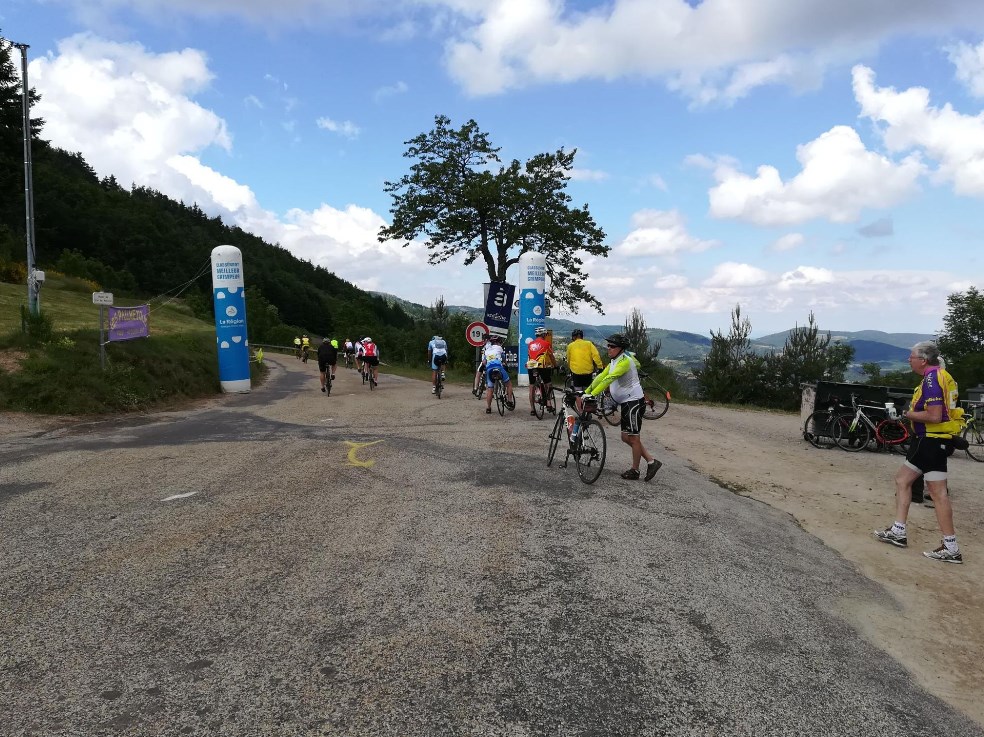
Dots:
(543, 400)
(305, 350)
(858, 432)
(500, 394)
(349, 363)
(973, 434)
(367, 376)
(657, 401)
(439, 384)
(585, 435)
(328, 382)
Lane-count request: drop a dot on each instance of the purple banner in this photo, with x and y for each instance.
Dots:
(127, 323)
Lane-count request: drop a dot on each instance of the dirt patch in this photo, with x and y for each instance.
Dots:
(11, 360)
(935, 630)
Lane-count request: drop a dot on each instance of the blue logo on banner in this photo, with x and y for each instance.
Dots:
(498, 306)
(230, 333)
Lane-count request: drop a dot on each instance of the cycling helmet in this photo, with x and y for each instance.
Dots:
(495, 339)
(540, 332)
(577, 333)
(367, 339)
(618, 340)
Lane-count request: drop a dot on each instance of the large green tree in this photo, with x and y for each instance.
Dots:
(963, 325)
(461, 200)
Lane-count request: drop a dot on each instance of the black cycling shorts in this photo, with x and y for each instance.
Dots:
(323, 365)
(370, 360)
(632, 412)
(545, 373)
(928, 455)
(581, 381)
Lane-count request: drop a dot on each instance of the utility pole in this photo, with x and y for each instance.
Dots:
(34, 278)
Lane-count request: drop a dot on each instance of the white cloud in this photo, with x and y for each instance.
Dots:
(969, 61)
(660, 233)
(838, 180)
(345, 128)
(955, 141)
(588, 175)
(788, 242)
(730, 274)
(400, 88)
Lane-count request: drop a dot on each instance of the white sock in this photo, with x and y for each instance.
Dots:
(898, 528)
(950, 541)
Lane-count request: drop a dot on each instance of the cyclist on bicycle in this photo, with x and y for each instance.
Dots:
(305, 347)
(621, 378)
(297, 346)
(437, 357)
(492, 363)
(583, 360)
(358, 355)
(327, 358)
(370, 357)
(349, 352)
(541, 362)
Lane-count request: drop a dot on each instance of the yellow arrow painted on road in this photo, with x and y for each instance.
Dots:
(355, 447)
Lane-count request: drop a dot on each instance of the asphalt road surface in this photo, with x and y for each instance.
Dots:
(387, 563)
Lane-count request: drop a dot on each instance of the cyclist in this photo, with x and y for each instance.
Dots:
(305, 347)
(621, 378)
(437, 357)
(358, 355)
(583, 360)
(492, 361)
(349, 352)
(540, 353)
(327, 358)
(370, 357)
(934, 415)
(297, 346)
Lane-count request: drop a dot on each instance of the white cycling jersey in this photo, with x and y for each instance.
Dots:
(493, 352)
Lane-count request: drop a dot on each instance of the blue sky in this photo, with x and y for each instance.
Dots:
(822, 155)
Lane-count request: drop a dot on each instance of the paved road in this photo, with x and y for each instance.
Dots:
(386, 563)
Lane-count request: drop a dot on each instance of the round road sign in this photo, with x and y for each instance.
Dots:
(477, 333)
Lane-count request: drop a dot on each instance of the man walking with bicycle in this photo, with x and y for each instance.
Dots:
(932, 412)
(621, 378)
(542, 362)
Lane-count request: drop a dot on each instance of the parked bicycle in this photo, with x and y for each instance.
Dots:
(857, 427)
(585, 436)
(973, 433)
(543, 401)
(657, 401)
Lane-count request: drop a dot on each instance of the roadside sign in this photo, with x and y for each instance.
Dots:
(476, 333)
(102, 298)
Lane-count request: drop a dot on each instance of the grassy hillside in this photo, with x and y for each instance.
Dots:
(62, 375)
(68, 301)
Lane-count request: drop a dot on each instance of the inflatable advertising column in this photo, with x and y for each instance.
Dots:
(228, 295)
(532, 305)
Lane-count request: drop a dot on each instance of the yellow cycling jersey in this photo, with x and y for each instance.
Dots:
(938, 387)
(583, 357)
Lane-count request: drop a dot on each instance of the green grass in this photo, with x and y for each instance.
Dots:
(177, 363)
(71, 309)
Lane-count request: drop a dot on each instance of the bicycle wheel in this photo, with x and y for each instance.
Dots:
(328, 385)
(975, 440)
(372, 381)
(819, 430)
(609, 410)
(439, 387)
(657, 402)
(590, 449)
(499, 392)
(891, 433)
(848, 438)
(555, 436)
(538, 401)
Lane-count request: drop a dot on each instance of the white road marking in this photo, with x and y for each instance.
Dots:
(180, 496)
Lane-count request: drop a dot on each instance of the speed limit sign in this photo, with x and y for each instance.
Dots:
(477, 333)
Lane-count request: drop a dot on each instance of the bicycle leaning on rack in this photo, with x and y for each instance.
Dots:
(585, 437)
(973, 434)
(853, 428)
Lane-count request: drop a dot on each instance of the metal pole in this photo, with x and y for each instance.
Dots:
(102, 342)
(32, 290)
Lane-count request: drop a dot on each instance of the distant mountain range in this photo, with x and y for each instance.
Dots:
(890, 350)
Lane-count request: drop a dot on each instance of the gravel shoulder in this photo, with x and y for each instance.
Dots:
(935, 632)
